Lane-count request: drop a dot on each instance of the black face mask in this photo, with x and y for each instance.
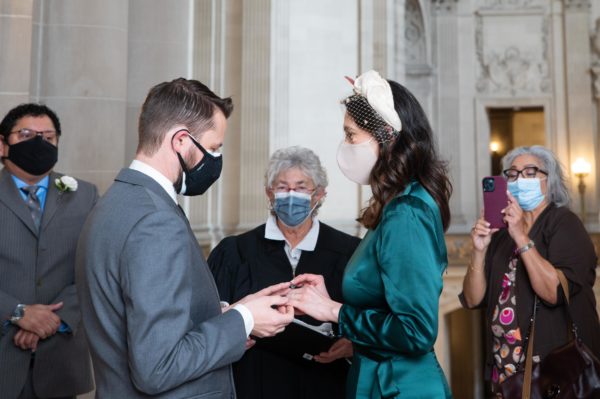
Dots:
(199, 178)
(36, 156)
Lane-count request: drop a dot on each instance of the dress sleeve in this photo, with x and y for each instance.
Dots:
(224, 260)
(570, 250)
(410, 260)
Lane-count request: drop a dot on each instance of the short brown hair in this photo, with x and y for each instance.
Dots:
(182, 101)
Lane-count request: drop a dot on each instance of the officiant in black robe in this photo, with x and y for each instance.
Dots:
(291, 242)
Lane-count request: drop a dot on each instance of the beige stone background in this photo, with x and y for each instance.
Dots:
(283, 62)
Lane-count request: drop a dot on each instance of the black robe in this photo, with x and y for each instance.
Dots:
(247, 263)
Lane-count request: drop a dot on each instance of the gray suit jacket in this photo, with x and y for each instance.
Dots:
(40, 268)
(150, 305)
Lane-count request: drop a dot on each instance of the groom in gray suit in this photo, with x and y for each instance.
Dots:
(43, 351)
(150, 305)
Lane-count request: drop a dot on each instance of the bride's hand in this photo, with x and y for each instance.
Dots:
(315, 280)
(311, 301)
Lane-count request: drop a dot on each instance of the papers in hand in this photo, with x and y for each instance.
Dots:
(300, 341)
(324, 329)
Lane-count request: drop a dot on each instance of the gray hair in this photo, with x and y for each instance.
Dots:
(296, 157)
(557, 191)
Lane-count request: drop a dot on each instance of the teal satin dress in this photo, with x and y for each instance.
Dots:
(391, 289)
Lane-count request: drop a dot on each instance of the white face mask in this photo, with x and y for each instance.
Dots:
(356, 161)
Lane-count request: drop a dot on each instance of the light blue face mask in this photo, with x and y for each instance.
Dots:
(528, 193)
(292, 208)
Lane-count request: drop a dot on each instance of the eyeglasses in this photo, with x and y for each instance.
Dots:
(300, 189)
(28, 134)
(528, 172)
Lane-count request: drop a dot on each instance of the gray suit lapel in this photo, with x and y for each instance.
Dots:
(9, 195)
(53, 197)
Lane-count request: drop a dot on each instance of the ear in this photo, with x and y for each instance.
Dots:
(269, 194)
(320, 194)
(3, 147)
(178, 139)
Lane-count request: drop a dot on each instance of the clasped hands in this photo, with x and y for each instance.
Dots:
(38, 322)
(274, 307)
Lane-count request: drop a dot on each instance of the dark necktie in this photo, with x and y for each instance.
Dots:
(33, 203)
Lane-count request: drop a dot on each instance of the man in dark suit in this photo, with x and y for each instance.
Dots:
(43, 352)
(150, 305)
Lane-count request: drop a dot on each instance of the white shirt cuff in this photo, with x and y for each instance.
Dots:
(247, 316)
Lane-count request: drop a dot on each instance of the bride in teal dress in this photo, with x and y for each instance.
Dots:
(393, 281)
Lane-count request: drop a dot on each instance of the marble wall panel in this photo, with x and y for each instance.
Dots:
(86, 13)
(92, 138)
(81, 61)
(16, 7)
(15, 47)
(323, 49)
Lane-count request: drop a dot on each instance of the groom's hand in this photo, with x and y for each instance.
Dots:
(269, 309)
(271, 314)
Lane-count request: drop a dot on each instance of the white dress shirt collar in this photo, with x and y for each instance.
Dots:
(308, 243)
(155, 175)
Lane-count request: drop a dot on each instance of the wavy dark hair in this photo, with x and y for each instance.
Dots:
(412, 155)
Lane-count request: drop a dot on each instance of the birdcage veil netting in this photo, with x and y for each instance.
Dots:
(367, 118)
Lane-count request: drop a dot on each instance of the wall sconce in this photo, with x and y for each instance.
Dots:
(581, 168)
(494, 146)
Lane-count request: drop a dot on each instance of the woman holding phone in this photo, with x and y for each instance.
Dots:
(511, 266)
(392, 283)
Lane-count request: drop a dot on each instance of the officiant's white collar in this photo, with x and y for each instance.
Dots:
(308, 243)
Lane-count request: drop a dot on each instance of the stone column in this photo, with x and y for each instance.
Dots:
(216, 62)
(80, 70)
(379, 42)
(158, 38)
(255, 112)
(227, 74)
(449, 121)
(16, 30)
(580, 108)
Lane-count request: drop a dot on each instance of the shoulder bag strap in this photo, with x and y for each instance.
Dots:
(529, 357)
(571, 329)
(526, 394)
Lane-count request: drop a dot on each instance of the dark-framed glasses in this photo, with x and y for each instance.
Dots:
(528, 172)
(28, 134)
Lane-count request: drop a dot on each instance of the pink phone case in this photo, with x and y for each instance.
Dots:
(494, 200)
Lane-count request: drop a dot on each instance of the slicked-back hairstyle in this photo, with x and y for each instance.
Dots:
(181, 101)
(23, 110)
(556, 186)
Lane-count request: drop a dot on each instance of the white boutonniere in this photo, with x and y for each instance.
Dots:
(65, 184)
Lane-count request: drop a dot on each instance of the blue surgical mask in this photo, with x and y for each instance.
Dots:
(292, 208)
(528, 193)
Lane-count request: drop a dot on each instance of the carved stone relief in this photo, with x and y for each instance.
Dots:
(577, 5)
(596, 59)
(510, 4)
(512, 70)
(444, 6)
(414, 34)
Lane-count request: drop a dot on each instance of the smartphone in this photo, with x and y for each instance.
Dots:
(494, 200)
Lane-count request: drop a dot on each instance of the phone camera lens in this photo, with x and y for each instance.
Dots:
(488, 185)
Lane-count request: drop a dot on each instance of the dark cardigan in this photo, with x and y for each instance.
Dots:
(562, 240)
